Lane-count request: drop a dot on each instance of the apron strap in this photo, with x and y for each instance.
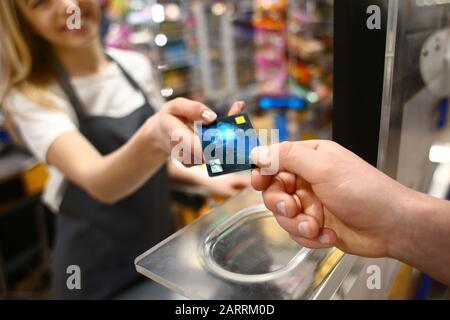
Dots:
(130, 79)
(66, 85)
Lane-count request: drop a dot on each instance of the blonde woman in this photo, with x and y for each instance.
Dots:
(92, 117)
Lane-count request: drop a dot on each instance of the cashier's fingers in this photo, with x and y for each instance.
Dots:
(237, 108)
(190, 110)
(326, 239)
(193, 154)
(185, 145)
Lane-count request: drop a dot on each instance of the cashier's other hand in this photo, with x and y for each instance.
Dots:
(171, 129)
(323, 195)
(226, 186)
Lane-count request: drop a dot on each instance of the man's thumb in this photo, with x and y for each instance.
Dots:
(288, 156)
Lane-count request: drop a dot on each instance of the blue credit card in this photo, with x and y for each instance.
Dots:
(227, 144)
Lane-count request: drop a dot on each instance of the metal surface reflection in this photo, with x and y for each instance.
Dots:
(238, 251)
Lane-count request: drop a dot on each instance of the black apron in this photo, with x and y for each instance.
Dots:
(103, 240)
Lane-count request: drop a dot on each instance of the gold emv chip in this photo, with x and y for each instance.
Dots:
(240, 120)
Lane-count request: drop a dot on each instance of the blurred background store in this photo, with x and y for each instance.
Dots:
(275, 55)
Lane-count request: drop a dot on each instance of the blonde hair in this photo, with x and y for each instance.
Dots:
(24, 57)
(24, 64)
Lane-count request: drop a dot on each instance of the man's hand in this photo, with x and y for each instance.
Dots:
(325, 195)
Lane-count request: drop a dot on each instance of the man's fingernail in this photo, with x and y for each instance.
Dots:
(261, 156)
(241, 105)
(324, 239)
(209, 115)
(303, 228)
(281, 208)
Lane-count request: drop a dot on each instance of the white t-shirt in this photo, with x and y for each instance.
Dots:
(105, 94)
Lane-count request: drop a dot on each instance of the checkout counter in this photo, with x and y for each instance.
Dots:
(238, 251)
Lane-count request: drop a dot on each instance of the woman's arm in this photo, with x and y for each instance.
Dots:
(112, 177)
(225, 186)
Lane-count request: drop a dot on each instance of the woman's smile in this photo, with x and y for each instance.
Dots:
(66, 24)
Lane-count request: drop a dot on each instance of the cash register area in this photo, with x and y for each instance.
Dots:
(279, 57)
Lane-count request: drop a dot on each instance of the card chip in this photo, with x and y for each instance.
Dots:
(216, 166)
(240, 120)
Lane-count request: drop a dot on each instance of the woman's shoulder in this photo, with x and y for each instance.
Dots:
(37, 124)
(13, 93)
(17, 102)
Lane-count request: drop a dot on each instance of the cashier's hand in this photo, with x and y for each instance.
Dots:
(226, 186)
(173, 125)
(324, 195)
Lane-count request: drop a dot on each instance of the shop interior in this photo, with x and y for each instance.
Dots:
(289, 61)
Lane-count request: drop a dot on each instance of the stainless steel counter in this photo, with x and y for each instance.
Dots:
(238, 251)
